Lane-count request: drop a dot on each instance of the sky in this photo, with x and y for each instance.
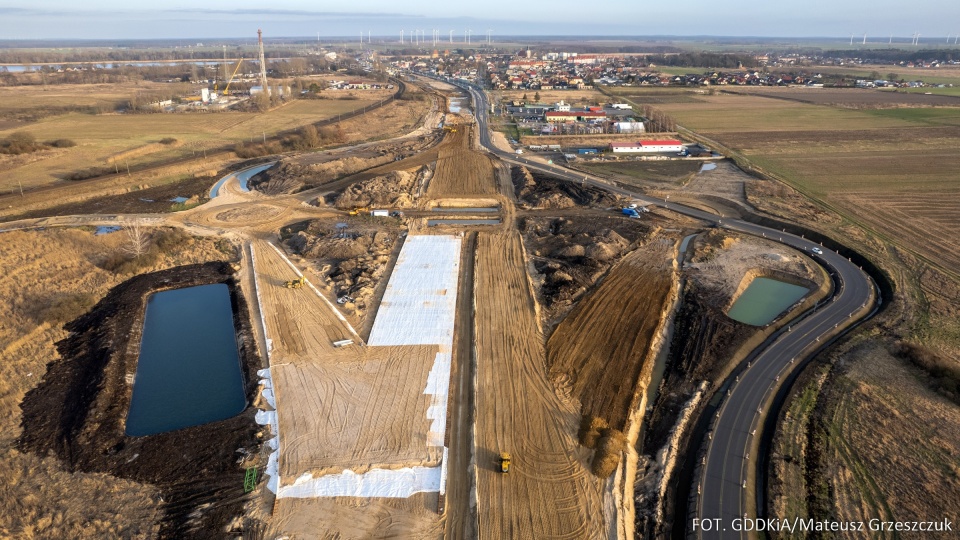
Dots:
(126, 19)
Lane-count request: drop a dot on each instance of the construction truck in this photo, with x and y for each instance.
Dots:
(295, 283)
(504, 462)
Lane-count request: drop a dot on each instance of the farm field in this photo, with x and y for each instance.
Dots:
(740, 113)
(122, 139)
(549, 493)
(942, 75)
(850, 97)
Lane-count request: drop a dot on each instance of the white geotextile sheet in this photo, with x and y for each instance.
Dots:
(391, 483)
(420, 301)
(438, 385)
(270, 418)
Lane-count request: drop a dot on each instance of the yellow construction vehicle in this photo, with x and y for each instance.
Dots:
(359, 210)
(295, 283)
(450, 129)
(504, 462)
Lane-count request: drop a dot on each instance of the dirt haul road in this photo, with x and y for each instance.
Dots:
(549, 492)
(461, 171)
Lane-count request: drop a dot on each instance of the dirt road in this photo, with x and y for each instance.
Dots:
(460, 510)
(549, 492)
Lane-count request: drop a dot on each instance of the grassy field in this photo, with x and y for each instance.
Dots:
(102, 138)
(884, 446)
(20, 101)
(950, 91)
(944, 75)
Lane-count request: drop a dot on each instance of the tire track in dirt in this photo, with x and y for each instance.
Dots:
(549, 493)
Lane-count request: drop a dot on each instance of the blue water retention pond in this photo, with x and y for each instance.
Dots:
(188, 372)
(243, 177)
(765, 299)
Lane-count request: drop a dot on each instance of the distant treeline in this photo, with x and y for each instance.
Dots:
(884, 56)
(704, 59)
(75, 73)
(34, 56)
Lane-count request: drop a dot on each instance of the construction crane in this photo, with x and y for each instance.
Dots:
(226, 90)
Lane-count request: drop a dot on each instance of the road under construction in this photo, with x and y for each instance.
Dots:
(400, 431)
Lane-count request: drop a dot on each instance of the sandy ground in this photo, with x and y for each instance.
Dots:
(723, 259)
(348, 518)
(549, 492)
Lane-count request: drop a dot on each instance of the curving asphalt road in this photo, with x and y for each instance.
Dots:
(727, 468)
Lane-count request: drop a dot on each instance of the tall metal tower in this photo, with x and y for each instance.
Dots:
(263, 63)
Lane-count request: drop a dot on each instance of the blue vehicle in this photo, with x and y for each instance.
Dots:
(630, 212)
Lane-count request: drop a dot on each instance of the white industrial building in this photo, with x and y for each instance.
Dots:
(668, 145)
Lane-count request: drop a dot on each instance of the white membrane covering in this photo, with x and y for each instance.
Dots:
(421, 298)
(393, 483)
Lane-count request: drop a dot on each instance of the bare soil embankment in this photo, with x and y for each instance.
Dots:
(540, 191)
(78, 412)
(354, 260)
(597, 353)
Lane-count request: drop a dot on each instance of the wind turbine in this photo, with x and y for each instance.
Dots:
(451, 37)
(851, 40)
(401, 36)
(864, 38)
(488, 36)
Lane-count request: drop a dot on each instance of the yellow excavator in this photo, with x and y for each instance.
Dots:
(295, 283)
(359, 210)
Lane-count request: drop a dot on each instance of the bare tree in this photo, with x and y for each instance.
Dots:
(137, 239)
